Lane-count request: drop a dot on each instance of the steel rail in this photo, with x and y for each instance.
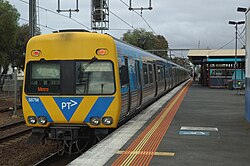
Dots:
(13, 136)
(12, 125)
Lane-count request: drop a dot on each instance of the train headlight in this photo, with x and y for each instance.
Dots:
(95, 121)
(32, 120)
(102, 51)
(36, 53)
(42, 120)
(107, 120)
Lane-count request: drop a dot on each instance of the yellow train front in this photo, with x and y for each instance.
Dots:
(71, 85)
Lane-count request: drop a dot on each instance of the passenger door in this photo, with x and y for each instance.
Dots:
(139, 85)
(156, 79)
(133, 83)
(125, 88)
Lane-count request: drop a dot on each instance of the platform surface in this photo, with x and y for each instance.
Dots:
(208, 128)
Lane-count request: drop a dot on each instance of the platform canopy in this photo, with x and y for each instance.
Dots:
(197, 56)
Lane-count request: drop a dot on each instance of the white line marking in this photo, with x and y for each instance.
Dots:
(199, 128)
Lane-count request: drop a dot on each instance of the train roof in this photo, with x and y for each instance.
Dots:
(153, 56)
(148, 55)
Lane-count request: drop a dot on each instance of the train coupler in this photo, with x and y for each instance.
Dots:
(64, 133)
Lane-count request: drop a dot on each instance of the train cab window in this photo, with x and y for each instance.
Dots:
(94, 77)
(150, 71)
(145, 73)
(44, 77)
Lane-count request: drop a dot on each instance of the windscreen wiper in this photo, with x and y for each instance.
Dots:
(89, 63)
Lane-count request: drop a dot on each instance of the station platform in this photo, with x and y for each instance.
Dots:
(191, 125)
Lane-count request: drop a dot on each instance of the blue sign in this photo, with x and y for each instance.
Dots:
(225, 60)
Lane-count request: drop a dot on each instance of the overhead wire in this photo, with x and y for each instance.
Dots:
(241, 35)
(224, 45)
(140, 16)
(241, 39)
(121, 19)
(46, 9)
(45, 26)
(243, 30)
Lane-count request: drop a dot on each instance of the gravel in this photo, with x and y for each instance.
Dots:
(20, 152)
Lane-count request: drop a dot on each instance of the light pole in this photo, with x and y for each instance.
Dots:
(236, 23)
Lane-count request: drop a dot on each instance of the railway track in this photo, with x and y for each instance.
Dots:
(8, 126)
(6, 109)
(56, 159)
(46, 161)
(13, 131)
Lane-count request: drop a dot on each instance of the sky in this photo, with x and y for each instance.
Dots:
(186, 24)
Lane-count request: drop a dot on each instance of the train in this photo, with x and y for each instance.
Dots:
(79, 86)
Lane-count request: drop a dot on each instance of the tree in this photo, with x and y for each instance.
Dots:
(18, 56)
(146, 40)
(160, 43)
(182, 61)
(23, 36)
(8, 29)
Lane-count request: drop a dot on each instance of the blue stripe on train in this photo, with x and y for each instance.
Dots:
(99, 108)
(38, 107)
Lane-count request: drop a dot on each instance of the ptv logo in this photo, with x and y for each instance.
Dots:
(68, 104)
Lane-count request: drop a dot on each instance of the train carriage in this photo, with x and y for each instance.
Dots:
(79, 85)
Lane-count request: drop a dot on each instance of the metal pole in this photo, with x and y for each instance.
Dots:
(170, 54)
(101, 11)
(150, 5)
(58, 10)
(235, 58)
(32, 17)
(15, 91)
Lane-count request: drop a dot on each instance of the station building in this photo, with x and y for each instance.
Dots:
(216, 68)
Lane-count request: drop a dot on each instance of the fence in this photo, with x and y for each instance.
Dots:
(10, 91)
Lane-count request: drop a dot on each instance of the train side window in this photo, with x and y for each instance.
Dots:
(160, 73)
(166, 73)
(124, 75)
(150, 70)
(145, 73)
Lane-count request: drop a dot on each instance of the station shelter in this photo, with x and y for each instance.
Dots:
(216, 68)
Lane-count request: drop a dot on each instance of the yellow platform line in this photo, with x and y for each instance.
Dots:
(165, 154)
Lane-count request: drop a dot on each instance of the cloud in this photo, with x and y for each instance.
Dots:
(183, 22)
